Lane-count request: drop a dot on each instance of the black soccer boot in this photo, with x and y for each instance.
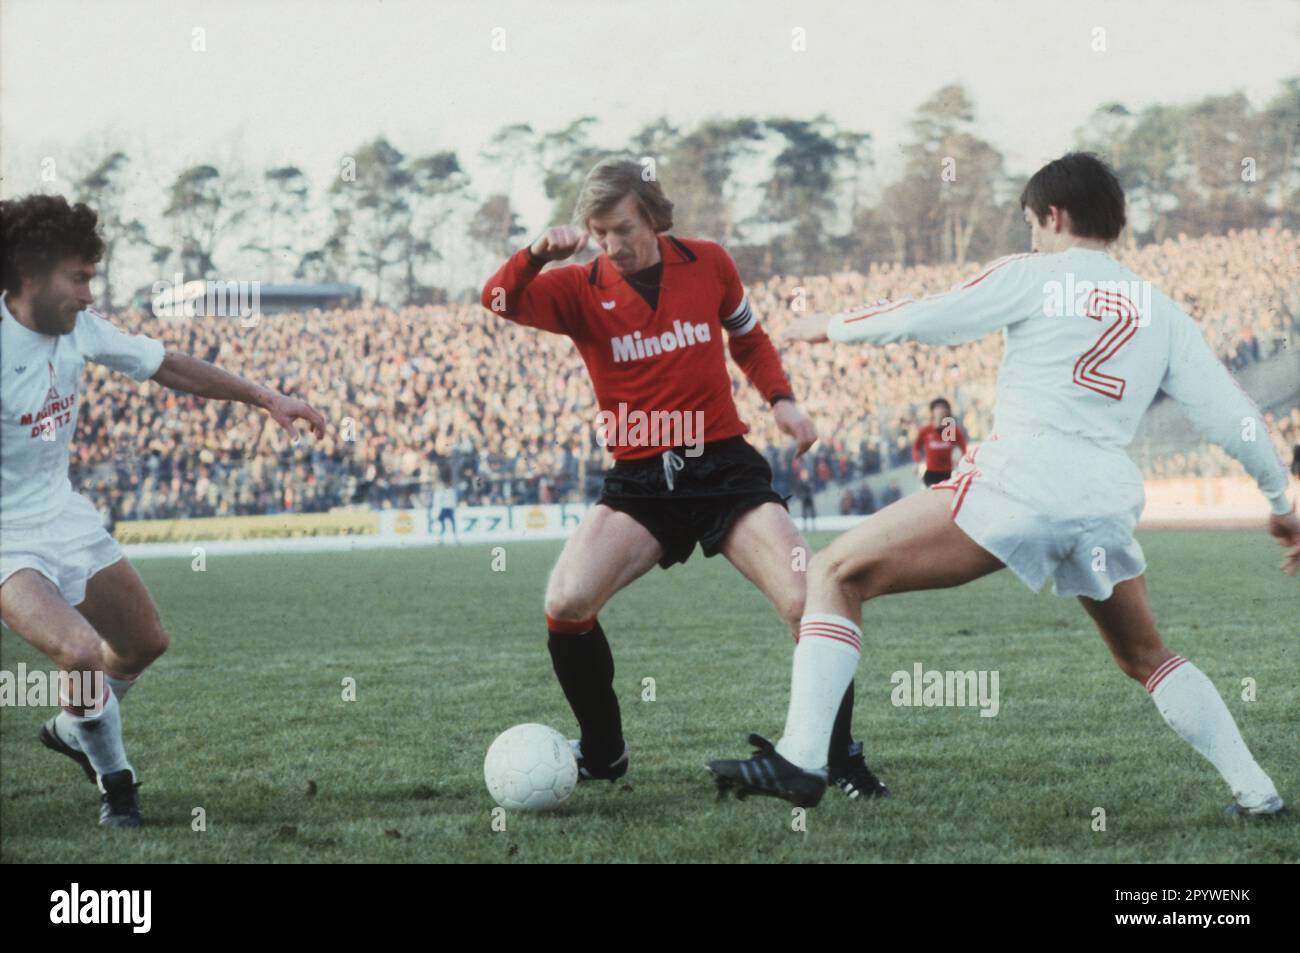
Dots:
(119, 799)
(852, 776)
(766, 772)
(50, 738)
(594, 772)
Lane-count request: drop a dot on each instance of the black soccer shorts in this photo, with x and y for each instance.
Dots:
(685, 500)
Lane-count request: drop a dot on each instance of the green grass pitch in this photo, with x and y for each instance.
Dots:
(244, 718)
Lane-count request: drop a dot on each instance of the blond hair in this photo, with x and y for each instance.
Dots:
(610, 181)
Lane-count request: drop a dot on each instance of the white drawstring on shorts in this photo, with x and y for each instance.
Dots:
(672, 463)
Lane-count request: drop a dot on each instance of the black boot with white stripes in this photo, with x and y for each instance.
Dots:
(767, 773)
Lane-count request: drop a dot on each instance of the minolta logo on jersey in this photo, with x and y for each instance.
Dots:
(633, 347)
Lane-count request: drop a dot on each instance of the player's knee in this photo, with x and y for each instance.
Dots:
(843, 572)
(158, 642)
(146, 648)
(80, 652)
(568, 602)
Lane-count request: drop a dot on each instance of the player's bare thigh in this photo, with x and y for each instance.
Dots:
(121, 610)
(608, 551)
(1128, 628)
(36, 611)
(769, 551)
(909, 545)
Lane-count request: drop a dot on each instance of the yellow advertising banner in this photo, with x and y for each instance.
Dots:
(278, 526)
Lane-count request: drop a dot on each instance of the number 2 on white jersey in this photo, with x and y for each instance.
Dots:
(1087, 369)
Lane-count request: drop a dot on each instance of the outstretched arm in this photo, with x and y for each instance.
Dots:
(144, 358)
(1221, 410)
(1226, 416)
(189, 374)
(1005, 292)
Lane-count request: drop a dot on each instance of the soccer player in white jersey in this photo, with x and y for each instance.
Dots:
(1052, 492)
(65, 584)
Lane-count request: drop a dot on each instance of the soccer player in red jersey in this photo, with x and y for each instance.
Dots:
(653, 317)
(932, 450)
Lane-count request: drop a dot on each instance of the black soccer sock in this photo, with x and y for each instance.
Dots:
(842, 732)
(585, 667)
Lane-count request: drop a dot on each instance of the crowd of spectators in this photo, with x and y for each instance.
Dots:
(1207, 460)
(422, 396)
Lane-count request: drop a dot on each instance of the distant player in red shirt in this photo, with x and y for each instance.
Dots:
(653, 318)
(932, 451)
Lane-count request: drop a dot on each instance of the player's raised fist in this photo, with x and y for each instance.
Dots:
(559, 242)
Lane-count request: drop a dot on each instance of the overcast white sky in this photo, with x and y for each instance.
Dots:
(285, 80)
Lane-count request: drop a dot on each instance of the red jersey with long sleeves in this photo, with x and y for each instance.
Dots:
(665, 361)
(937, 449)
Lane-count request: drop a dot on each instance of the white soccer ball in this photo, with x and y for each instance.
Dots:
(530, 768)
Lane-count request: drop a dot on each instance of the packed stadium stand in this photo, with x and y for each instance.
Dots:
(451, 393)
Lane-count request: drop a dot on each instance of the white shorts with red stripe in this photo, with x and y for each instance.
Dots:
(1051, 505)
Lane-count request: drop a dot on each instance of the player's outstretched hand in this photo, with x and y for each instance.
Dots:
(1286, 530)
(285, 410)
(795, 423)
(559, 242)
(811, 329)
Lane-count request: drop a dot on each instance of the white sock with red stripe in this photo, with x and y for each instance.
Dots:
(120, 684)
(99, 736)
(1192, 706)
(65, 724)
(824, 662)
